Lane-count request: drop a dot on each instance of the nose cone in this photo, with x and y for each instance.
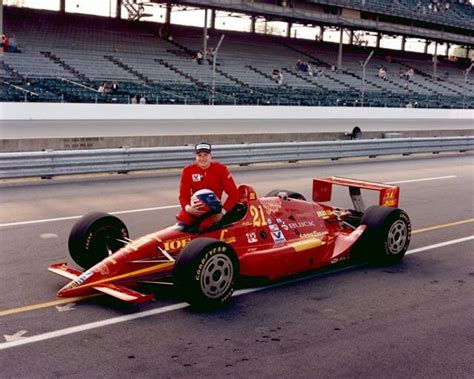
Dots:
(78, 286)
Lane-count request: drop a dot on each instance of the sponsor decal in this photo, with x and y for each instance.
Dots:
(258, 216)
(390, 197)
(274, 228)
(313, 235)
(299, 224)
(225, 238)
(278, 236)
(247, 223)
(102, 268)
(325, 213)
(197, 177)
(340, 259)
(251, 237)
(269, 221)
(81, 279)
(271, 205)
(252, 196)
(174, 245)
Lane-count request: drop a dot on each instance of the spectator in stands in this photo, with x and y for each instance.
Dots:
(446, 74)
(275, 75)
(142, 100)
(3, 40)
(410, 73)
(6, 44)
(199, 57)
(298, 65)
(210, 56)
(401, 73)
(115, 87)
(382, 73)
(280, 78)
(134, 100)
(13, 44)
(101, 88)
(106, 87)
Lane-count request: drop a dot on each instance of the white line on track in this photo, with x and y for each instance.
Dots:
(422, 179)
(174, 307)
(173, 206)
(442, 244)
(76, 217)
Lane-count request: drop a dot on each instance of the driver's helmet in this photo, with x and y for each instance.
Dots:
(207, 201)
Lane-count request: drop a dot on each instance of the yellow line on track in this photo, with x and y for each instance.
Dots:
(32, 307)
(436, 227)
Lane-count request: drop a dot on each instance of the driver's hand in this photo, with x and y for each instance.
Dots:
(193, 210)
(217, 217)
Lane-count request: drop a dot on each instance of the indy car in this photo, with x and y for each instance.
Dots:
(271, 237)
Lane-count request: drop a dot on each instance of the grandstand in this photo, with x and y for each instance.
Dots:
(66, 57)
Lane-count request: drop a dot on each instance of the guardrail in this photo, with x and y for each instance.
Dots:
(122, 160)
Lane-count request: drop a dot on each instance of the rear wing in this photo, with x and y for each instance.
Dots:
(388, 194)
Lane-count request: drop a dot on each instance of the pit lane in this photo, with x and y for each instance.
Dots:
(409, 319)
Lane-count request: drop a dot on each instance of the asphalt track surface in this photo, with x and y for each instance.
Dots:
(414, 319)
(121, 128)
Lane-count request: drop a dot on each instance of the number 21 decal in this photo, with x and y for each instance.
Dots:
(258, 216)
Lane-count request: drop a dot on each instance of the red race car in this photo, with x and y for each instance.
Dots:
(274, 236)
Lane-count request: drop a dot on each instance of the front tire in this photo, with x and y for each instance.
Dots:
(205, 273)
(94, 237)
(387, 236)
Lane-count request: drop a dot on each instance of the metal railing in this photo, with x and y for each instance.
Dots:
(122, 160)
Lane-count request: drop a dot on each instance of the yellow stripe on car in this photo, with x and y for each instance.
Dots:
(306, 244)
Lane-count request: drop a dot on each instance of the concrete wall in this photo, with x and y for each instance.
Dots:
(33, 127)
(67, 111)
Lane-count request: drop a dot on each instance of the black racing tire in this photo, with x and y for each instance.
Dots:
(387, 236)
(94, 237)
(291, 194)
(205, 273)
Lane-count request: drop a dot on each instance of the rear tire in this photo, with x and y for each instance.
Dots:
(387, 236)
(205, 273)
(291, 194)
(94, 237)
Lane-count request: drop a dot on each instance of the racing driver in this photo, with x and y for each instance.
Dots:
(205, 174)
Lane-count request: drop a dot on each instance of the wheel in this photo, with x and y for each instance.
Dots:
(205, 273)
(291, 194)
(387, 236)
(94, 237)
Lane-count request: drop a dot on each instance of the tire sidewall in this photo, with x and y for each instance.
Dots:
(82, 236)
(189, 271)
(374, 246)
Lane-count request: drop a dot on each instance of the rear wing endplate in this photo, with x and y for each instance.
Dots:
(388, 194)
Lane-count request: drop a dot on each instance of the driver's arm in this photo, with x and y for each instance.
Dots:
(185, 192)
(230, 188)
